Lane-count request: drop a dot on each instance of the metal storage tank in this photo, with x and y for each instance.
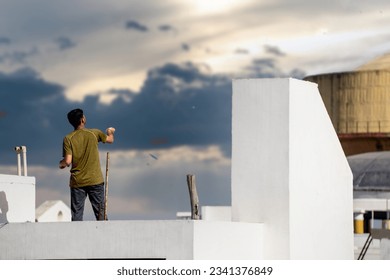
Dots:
(358, 103)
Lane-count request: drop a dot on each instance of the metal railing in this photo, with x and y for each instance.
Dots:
(363, 127)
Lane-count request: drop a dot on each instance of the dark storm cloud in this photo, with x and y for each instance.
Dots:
(273, 50)
(64, 43)
(5, 40)
(123, 95)
(177, 105)
(264, 67)
(132, 24)
(268, 68)
(297, 73)
(18, 57)
(185, 47)
(166, 28)
(30, 118)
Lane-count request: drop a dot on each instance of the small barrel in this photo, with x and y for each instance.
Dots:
(359, 223)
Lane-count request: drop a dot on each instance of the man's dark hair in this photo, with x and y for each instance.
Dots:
(75, 116)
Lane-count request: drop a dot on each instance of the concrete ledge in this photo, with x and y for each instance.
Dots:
(131, 240)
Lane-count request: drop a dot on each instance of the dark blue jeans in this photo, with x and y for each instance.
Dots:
(96, 197)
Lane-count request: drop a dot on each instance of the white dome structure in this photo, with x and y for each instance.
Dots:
(371, 173)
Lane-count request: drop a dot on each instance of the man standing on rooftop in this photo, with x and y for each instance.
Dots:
(80, 151)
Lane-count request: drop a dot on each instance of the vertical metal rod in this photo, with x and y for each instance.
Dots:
(24, 150)
(106, 186)
(19, 168)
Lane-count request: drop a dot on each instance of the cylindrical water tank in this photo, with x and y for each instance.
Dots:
(358, 103)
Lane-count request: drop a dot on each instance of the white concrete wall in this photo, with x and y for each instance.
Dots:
(228, 241)
(321, 181)
(175, 240)
(216, 213)
(260, 160)
(289, 171)
(17, 199)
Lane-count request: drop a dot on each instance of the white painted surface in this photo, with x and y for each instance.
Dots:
(260, 160)
(17, 199)
(216, 213)
(385, 249)
(131, 240)
(53, 211)
(289, 171)
(370, 204)
(228, 241)
(321, 181)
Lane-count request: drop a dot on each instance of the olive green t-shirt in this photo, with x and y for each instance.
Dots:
(82, 145)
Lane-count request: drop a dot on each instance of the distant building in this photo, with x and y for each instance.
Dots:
(53, 211)
(371, 189)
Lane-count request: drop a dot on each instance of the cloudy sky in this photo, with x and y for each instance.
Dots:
(160, 72)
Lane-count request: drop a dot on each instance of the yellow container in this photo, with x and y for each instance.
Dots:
(359, 223)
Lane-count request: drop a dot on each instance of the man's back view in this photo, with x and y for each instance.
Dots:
(80, 150)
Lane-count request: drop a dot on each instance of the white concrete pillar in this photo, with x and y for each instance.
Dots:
(17, 199)
(289, 170)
